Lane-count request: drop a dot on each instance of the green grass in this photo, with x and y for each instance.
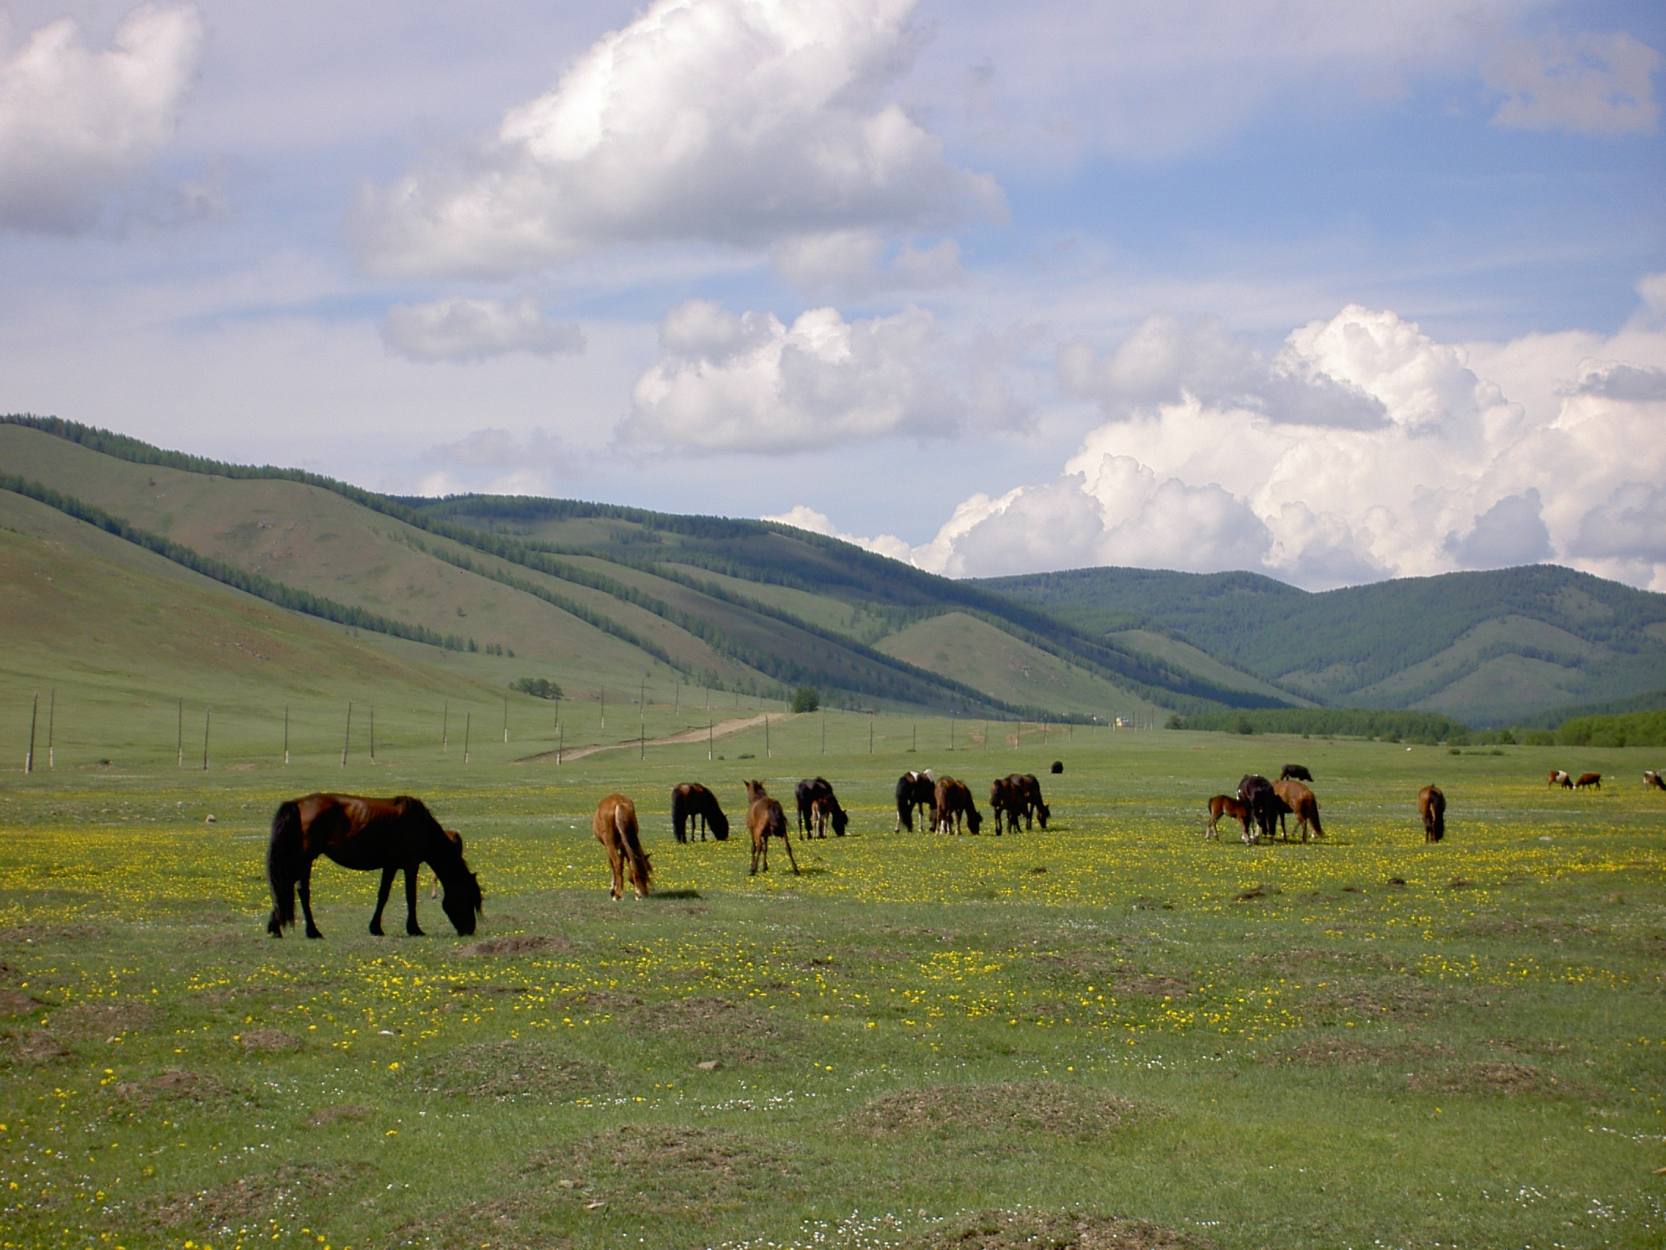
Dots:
(1112, 1033)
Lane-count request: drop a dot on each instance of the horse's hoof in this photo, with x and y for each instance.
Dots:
(415, 933)
(314, 933)
(376, 931)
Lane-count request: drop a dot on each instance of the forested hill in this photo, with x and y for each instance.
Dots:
(1486, 647)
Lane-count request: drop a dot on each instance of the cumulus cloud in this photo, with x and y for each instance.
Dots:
(1589, 84)
(805, 518)
(475, 329)
(858, 263)
(1201, 466)
(743, 122)
(77, 124)
(750, 382)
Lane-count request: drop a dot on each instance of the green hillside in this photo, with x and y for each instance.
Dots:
(1482, 647)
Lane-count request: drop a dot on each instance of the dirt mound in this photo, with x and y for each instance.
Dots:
(1047, 1230)
(514, 1071)
(1051, 1108)
(518, 944)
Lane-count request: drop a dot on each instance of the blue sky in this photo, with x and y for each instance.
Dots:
(1334, 292)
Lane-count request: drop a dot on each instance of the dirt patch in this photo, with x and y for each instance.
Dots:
(515, 1071)
(101, 1020)
(341, 1113)
(1050, 1108)
(16, 1002)
(518, 944)
(31, 1048)
(1362, 998)
(1049, 1230)
(718, 1027)
(1302, 961)
(1509, 1079)
(1341, 1051)
(267, 1041)
(289, 1192)
(174, 1084)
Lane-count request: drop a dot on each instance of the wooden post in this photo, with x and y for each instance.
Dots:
(29, 758)
(207, 713)
(445, 727)
(603, 693)
(347, 737)
(766, 735)
(824, 731)
(468, 722)
(51, 719)
(286, 735)
(179, 739)
(372, 733)
(560, 737)
(914, 741)
(951, 732)
(870, 733)
(506, 720)
(677, 701)
(986, 734)
(708, 738)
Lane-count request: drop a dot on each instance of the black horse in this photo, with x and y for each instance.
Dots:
(816, 803)
(392, 835)
(1264, 804)
(1296, 772)
(691, 801)
(915, 791)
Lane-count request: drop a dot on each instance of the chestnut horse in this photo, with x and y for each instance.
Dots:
(954, 800)
(393, 835)
(1299, 802)
(1431, 805)
(691, 801)
(615, 827)
(766, 820)
(1225, 805)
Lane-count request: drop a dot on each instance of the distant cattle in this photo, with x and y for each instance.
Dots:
(1225, 805)
(1296, 772)
(816, 806)
(766, 820)
(1652, 779)
(1301, 804)
(916, 793)
(954, 800)
(690, 802)
(1431, 805)
(1560, 778)
(1588, 781)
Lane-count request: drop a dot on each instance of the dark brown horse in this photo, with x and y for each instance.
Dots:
(453, 836)
(1588, 781)
(1296, 772)
(1431, 805)
(1299, 802)
(766, 820)
(1029, 793)
(954, 800)
(1005, 800)
(1257, 793)
(1225, 805)
(691, 801)
(615, 827)
(391, 835)
(817, 804)
(916, 793)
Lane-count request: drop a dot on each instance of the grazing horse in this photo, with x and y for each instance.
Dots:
(1299, 802)
(1225, 805)
(915, 792)
(451, 836)
(1560, 778)
(1296, 772)
(394, 835)
(1652, 780)
(1005, 800)
(1257, 793)
(1592, 781)
(1431, 805)
(1058, 767)
(954, 800)
(615, 826)
(691, 801)
(766, 820)
(816, 804)
(1030, 790)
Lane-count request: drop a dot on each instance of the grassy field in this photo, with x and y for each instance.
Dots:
(1110, 1034)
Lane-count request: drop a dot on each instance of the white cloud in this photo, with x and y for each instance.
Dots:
(801, 517)
(750, 382)
(855, 263)
(1454, 474)
(475, 329)
(1589, 84)
(78, 124)
(743, 122)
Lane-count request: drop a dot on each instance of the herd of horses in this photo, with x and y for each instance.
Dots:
(400, 835)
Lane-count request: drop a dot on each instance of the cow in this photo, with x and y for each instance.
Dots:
(954, 800)
(1560, 778)
(1652, 779)
(1431, 805)
(916, 792)
(1588, 781)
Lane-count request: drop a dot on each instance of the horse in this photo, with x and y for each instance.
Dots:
(1296, 772)
(952, 801)
(1225, 805)
(1431, 805)
(691, 801)
(453, 836)
(1257, 793)
(394, 835)
(1029, 789)
(1560, 778)
(1652, 780)
(1299, 802)
(765, 820)
(1058, 767)
(615, 827)
(816, 804)
(1004, 799)
(915, 791)
(1592, 781)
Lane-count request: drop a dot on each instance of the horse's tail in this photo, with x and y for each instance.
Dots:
(283, 866)
(624, 824)
(1313, 818)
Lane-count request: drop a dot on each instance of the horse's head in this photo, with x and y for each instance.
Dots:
(841, 821)
(754, 791)
(718, 823)
(1042, 812)
(974, 819)
(462, 901)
